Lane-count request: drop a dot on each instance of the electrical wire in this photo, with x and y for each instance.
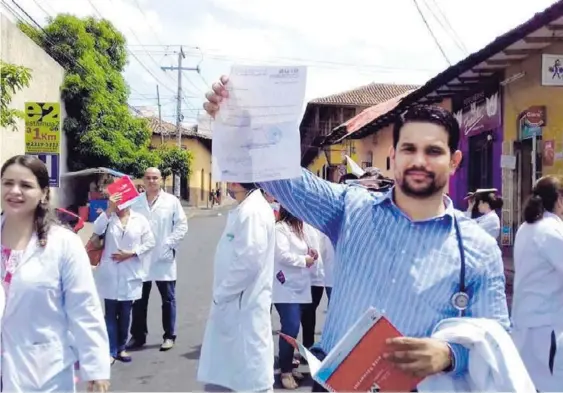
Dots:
(431, 32)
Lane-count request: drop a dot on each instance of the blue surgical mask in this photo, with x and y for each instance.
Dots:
(275, 206)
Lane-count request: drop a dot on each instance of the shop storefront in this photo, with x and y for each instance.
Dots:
(479, 115)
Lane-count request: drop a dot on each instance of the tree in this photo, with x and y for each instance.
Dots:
(100, 128)
(12, 79)
(174, 160)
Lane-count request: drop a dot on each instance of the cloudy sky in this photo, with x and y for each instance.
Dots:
(345, 43)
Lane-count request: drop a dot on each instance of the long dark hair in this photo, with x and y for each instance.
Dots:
(43, 215)
(544, 197)
(294, 223)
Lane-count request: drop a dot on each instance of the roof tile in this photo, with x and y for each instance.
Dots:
(368, 95)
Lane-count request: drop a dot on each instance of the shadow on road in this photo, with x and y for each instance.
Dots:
(193, 354)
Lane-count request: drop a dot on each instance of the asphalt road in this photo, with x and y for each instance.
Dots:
(176, 370)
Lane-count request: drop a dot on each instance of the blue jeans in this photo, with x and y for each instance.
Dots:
(139, 329)
(290, 320)
(118, 317)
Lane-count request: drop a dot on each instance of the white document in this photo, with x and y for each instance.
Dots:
(256, 134)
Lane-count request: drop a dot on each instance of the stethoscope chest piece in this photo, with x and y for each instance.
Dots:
(460, 300)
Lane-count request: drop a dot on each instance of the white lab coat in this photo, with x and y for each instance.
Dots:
(537, 308)
(292, 277)
(327, 255)
(53, 318)
(123, 280)
(313, 239)
(494, 362)
(490, 222)
(169, 226)
(238, 349)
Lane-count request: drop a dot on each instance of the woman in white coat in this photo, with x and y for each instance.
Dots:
(127, 239)
(487, 203)
(237, 353)
(537, 310)
(53, 316)
(292, 286)
(309, 311)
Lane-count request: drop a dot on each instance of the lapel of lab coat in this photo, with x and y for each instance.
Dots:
(30, 251)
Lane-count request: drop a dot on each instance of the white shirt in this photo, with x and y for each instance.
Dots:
(538, 278)
(327, 255)
(292, 278)
(490, 222)
(122, 280)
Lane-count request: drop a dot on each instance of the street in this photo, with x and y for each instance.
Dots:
(176, 370)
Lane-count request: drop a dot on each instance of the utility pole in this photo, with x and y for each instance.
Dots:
(159, 116)
(179, 117)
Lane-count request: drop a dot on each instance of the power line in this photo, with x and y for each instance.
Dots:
(431, 32)
(445, 24)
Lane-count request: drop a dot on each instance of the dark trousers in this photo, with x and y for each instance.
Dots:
(328, 293)
(139, 329)
(290, 318)
(118, 317)
(309, 316)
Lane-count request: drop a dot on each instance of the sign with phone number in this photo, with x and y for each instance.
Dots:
(42, 127)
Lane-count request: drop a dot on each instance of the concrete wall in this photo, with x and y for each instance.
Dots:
(200, 181)
(47, 79)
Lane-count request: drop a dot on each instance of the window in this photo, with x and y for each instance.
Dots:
(368, 160)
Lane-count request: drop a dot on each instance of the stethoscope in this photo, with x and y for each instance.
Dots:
(460, 299)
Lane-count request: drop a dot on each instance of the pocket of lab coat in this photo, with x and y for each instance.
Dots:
(41, 363)
(226, 317)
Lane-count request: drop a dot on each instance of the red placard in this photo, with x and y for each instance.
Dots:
(128, 191)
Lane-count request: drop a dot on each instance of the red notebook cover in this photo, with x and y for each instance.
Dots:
(128, 191)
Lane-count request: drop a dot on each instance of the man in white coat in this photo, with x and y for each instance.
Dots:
(169, 225)
(238, 349)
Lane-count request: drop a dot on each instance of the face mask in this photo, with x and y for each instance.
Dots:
(275, 206)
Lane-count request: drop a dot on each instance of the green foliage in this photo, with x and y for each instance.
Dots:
(12, 79)
(100, 129)
(174, 160)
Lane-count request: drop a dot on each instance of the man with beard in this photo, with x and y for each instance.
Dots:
(401, 252)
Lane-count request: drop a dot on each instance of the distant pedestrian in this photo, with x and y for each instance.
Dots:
(169, 226)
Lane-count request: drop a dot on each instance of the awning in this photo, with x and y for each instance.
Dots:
(93, 171)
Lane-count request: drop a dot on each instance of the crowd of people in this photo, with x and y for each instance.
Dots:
(53, 323)
(397, 245)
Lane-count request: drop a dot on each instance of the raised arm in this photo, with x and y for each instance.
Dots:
(312, 199)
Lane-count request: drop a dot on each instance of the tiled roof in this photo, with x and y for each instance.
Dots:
(367, 95)
(371, 114)
(170, 129)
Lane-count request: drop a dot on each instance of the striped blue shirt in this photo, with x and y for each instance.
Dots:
(407, 270)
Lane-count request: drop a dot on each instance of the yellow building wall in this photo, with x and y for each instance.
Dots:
(200, 181)
(336, 156)
(316, 166)
(528, 91)
(379, 145)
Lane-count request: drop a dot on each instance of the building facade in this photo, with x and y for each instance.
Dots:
(47, 78)
(508, 101)
(195, 188)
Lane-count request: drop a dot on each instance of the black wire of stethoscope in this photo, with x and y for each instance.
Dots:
(460, 299)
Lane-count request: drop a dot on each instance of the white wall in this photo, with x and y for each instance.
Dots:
(47, 79)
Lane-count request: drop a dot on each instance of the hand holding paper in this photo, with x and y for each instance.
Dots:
(257, 112)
